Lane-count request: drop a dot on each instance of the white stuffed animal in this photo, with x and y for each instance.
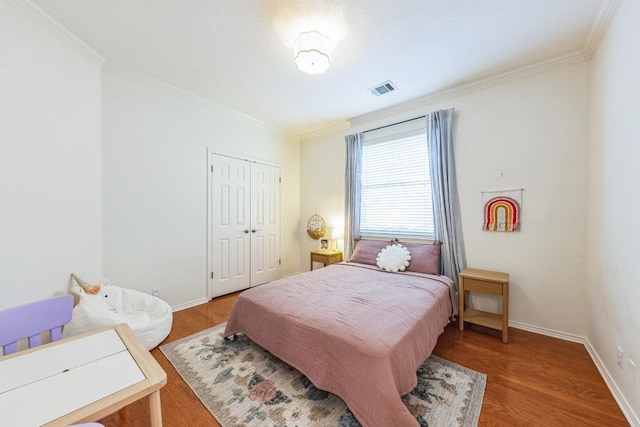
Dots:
(106, 305)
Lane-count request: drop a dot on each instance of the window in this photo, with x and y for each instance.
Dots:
(396, 185)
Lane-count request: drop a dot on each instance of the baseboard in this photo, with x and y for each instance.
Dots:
(548, 332)
(623, 404)
(188, 304)
(627, 410)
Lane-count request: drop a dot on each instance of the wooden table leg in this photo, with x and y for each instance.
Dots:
(155, 409)
(462, 303)
(505, 314)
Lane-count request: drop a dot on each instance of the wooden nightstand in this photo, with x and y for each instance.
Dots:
(325, 257)
(484, 282)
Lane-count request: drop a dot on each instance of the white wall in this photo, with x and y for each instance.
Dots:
(155, 183)
(50, 179)
(534, 131)
(322, 165)
(614, 206)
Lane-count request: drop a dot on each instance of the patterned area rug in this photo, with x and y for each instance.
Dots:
(242, 384)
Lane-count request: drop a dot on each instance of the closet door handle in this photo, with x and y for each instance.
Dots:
(254, 230)
(246, 231)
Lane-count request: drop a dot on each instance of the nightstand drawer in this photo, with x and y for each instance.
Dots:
(483, 286)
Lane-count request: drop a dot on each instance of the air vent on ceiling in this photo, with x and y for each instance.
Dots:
(383, 88)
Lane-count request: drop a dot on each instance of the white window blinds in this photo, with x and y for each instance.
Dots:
(396, 187)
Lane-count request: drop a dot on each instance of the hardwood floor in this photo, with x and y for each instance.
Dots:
(532, 381)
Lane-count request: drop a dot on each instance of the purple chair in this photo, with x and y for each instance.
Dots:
(29, 320)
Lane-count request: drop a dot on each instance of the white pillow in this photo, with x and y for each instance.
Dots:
(394, 258)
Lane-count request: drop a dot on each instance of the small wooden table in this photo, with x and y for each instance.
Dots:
(485, 282)
(325, 257)
(79, 379)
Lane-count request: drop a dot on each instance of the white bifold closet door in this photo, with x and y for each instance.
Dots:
(244, 238)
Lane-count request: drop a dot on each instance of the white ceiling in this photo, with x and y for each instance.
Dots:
(230, 52)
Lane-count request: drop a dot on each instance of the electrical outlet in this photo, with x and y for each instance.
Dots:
(620, 356)
(156, 293)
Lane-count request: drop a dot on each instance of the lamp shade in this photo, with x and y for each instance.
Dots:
(313, 52)
(337, 233)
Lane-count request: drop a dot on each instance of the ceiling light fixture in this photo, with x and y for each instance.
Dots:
(312, 52)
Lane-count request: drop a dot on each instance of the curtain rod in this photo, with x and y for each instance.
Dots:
(393, 124)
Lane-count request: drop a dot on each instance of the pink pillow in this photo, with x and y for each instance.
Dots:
(424, 258)
(367, 251)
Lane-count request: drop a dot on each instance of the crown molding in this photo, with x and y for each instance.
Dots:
(53, 27)
(598, 30)
(473, 86)
(601, 26)
(119, 69)
(334, 128)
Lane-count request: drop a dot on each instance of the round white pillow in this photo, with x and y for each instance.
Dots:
(394, 258)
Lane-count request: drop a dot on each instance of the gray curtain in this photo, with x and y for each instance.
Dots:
(352, 192)
(446, 205)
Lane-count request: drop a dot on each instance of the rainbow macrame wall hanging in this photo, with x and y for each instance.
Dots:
(502, 213)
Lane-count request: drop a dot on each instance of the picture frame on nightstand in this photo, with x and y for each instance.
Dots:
(324, 244)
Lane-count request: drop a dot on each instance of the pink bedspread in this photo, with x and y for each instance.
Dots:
(353, 330)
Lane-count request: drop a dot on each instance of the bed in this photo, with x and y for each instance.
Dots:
(354, 330)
